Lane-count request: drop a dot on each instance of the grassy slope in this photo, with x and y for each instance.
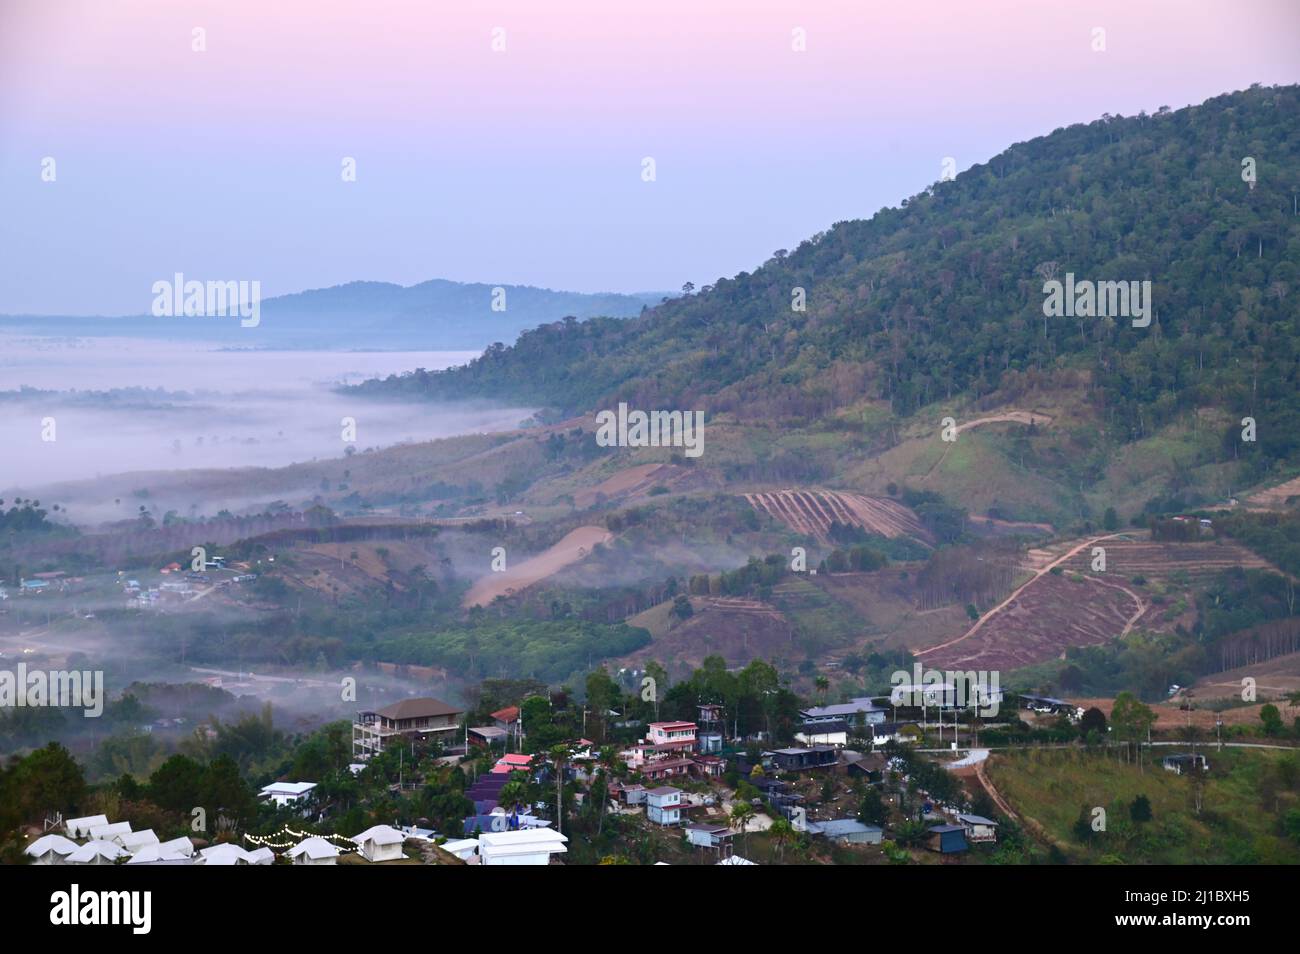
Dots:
(1234, 827)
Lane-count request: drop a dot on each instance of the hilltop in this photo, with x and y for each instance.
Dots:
(938, 303)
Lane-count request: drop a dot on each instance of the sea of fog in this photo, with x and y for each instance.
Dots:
(212, 407)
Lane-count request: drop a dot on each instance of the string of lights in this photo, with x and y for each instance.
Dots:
(269, 841)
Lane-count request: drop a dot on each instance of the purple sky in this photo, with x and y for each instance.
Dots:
(524, 165)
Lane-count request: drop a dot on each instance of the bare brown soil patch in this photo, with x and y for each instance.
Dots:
(576, 545)
(1274, 679)
(1275, 498)
(1050, 612)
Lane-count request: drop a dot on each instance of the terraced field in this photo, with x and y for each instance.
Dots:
(1038, 624)
(1079, 607)
(1159, 561)
(813, 511)
(1275, 498)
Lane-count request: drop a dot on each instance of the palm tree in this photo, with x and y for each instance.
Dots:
(823, 684)
(607, 754)
(781, 830)
(512, 793)
(559, 756)
(741, 813)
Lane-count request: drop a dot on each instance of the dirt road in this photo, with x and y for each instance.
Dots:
(1007, 417)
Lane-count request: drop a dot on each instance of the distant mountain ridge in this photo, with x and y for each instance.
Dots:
(435, 315)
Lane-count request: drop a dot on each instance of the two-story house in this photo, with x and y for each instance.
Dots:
(665, 735)
(373, 731)
(663, 805)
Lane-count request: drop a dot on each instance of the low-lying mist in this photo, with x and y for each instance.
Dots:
(77, 409)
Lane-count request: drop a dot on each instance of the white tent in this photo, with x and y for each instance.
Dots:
(262, 856)
(112, 832)
(80, 827)
(227, 853)
(174, 851)
(97, 853)
(183, 845)
(135, 840)
(50, 850)
(380, 843)
(157, 855)
(314, 851)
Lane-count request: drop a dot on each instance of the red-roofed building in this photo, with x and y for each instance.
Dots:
(513, 762)
(672, 734)
(665, 768)
(505, 718)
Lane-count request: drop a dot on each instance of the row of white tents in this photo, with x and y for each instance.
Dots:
(108, 843)
(58, 850)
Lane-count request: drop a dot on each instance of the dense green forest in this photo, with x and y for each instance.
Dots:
(943, 295)
(1274, 536)
(544, 649)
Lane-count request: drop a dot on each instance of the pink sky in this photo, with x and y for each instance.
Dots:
(524, 166)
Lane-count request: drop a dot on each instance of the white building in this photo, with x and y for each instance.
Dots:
(978, 828)
(858, 711)
(50, 850)
(705, 835)
(380, 843)
(462, 848)
(287, 793)
(532, 846)
(663, 805)
(823, 733)
(314, 851)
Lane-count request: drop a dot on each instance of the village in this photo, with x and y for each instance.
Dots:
(863, 781)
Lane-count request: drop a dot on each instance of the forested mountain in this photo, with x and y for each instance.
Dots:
(943, 296)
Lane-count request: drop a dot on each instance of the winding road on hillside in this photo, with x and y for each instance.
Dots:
(1047, 568)
(1007, 417)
